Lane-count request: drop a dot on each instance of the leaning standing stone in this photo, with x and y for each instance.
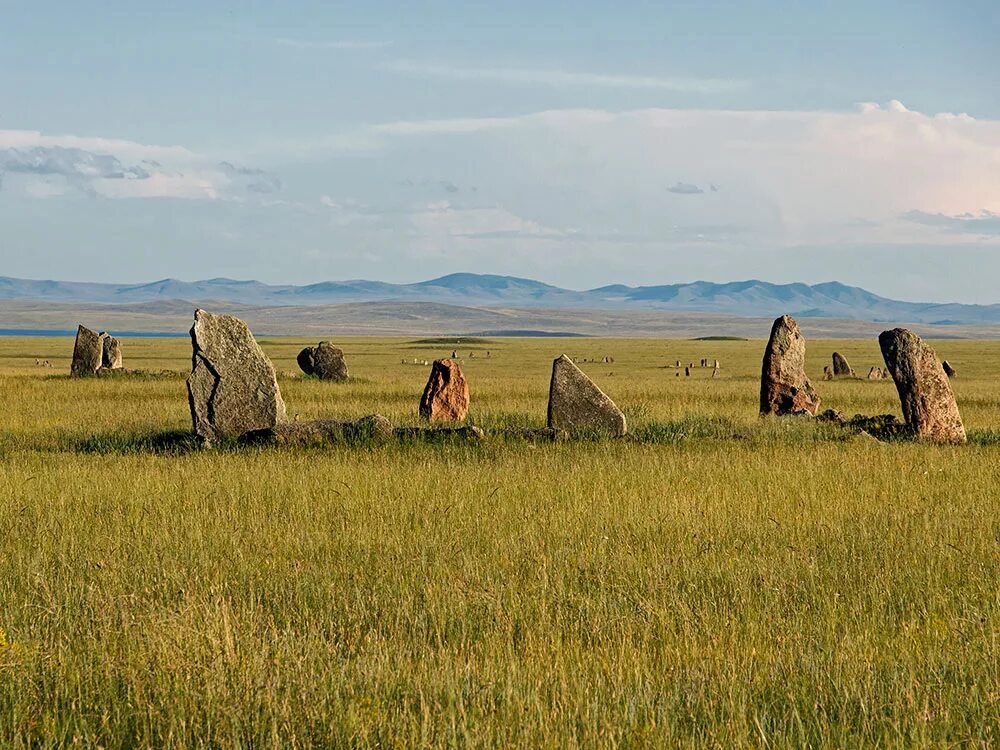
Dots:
(232, 389)
(88, 351)
(111, 358)
(577, 404)
(948, 369)
(925, 394)
(446, 397)
(841, 369)
(784, 387)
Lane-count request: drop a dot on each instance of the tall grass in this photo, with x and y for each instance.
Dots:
(718, 580)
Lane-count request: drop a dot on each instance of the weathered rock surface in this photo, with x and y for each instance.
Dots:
(881, 426)
(323, 432)
(325, 361)
(446, 396)
(577, 404)
(88, 352)
(948, 369)
(329, 362)
(875, 373)
(232, 388)
(784, 387)
(111, 356)
(834, 416)
(841, 369)
(925, 394)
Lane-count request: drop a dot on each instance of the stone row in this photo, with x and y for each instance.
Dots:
(233, 391)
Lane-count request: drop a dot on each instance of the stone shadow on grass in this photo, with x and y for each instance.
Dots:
(153, 442)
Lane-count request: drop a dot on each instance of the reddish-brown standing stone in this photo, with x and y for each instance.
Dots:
(446, 396)
(784, 387)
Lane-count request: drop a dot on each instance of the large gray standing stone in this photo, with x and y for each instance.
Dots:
(841, 368)
(784, 387)
(88, 352)
(111, 358)
(232, 389)
(925, 394)
(577, 404)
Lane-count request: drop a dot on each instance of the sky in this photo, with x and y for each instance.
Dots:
(578, 143)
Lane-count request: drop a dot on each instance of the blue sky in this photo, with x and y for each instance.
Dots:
(578, 143)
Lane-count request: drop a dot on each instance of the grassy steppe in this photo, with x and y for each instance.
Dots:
(719, 581)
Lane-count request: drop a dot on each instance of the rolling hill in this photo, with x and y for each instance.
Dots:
(749, 299)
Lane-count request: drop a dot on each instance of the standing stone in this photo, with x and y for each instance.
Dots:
(446, 396)
(111, 357)
(827, 373)
(784, 387)
(875, 373)
(88, 352)
(687, 372)
(928, 403)
(948, 369)
(576, 403)
(324, 360)
(841, 369)
(232, 389)
(329, 363)
(305, 360)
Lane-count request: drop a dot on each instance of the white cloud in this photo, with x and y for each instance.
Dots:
(978, 224)
(42, 165)
(556, 78)
(790, 177)
(130, 150)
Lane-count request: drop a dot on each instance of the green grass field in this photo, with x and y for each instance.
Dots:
(720, 580)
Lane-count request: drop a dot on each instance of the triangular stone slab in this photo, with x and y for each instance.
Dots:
(576, 404)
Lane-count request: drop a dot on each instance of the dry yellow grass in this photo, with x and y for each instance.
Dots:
(725, 581)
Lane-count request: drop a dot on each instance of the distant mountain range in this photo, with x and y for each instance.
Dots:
(740, 298)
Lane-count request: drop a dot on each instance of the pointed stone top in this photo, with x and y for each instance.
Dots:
(446, 396)
(577, 404)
